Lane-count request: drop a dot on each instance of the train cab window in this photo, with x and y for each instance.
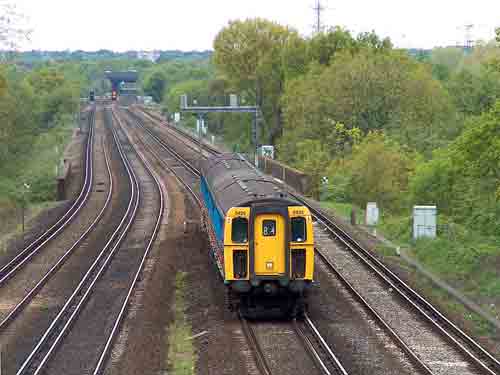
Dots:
(269, 228)
(239, 230)
(299, 233)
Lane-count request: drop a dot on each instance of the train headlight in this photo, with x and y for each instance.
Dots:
(269, 265)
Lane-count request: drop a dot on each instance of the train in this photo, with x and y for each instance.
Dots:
(260, 238)
(114, 95)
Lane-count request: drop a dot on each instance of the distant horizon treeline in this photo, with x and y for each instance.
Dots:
(34, 56)
(42, 55)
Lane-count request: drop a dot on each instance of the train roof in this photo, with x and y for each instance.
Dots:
(234, 182)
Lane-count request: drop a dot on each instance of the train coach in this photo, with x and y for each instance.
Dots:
(261, 239)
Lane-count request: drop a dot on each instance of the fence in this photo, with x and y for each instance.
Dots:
(298, 180)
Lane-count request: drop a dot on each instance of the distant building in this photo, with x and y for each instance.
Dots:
(152, 56)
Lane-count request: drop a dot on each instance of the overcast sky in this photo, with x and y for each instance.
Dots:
(192, 24)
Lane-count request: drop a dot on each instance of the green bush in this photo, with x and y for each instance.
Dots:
(463, 180)
(380, 172)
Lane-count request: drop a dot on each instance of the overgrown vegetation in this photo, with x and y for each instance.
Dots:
(37, 116)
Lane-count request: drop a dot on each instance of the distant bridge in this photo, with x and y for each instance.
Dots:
(117, 78)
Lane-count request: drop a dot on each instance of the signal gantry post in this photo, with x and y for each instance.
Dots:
(201, 111)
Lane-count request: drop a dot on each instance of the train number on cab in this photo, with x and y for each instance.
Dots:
(269, 228)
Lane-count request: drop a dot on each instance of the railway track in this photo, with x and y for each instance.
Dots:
(302, 342)
(8, 270)
(180, 134)
(260, 358)
(49, 345)
(105, 353)
(37, 360)
(320, 353)
(481, 360)
(6, 320)
(318, 349)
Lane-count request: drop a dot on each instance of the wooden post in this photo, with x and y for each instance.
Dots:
(22, 217)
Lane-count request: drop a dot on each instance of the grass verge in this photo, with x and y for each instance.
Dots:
(344, 210)
(181, 353)
(464, 258)
(15, 227)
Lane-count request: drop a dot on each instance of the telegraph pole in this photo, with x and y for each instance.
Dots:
(469, 42)
(318, 11)
(468, 36)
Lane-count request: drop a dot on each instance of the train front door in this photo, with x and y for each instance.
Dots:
(269, 244)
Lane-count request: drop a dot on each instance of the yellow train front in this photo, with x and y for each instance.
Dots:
(260, 238)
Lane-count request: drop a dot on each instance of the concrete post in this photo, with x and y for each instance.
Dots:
(353, 216)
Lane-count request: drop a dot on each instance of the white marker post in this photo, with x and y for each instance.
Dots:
(372, 216)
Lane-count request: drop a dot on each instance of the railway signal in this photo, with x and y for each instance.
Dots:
(201, 111)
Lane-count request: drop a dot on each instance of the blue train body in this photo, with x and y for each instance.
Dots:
(216, 217)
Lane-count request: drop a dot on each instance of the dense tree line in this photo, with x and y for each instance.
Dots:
(38, 56)
(161, 78)
(34, 108)
(381, 123)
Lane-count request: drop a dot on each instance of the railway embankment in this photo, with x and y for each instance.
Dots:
(33, 194)
(457, 273)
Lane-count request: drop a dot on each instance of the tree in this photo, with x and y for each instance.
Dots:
(17, 127)
(314, 159)
(160, 78)
(323, 47)
(372, 41)
(370, 90)
(46, 80)
(494, 62)
(464, 178)
(195, 90)
(380, 171)
(155, 85)
(13, 28)
(447, 60)
(3, 85)
(472, 93)
(256, 56)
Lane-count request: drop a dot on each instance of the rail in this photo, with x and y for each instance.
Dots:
(255, 347)
(324, 357)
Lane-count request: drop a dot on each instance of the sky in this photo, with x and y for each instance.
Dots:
(186, 25)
